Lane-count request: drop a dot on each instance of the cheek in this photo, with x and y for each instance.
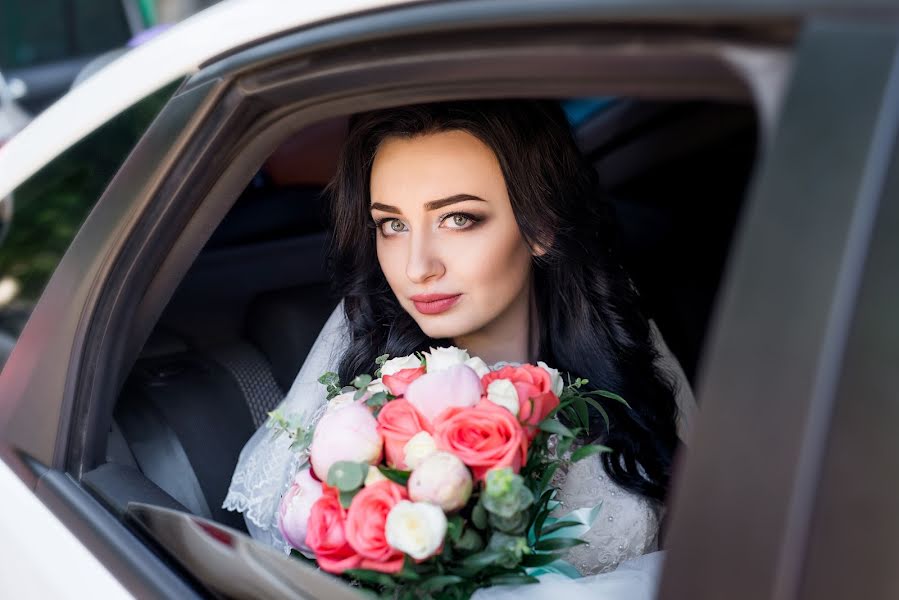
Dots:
(392, 261)
(494, 266)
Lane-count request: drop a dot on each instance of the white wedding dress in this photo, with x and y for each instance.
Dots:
(620, 559)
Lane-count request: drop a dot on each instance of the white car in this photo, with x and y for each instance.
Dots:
(149, 276)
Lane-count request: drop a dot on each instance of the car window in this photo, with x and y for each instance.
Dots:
(60, 29)
(48, 209)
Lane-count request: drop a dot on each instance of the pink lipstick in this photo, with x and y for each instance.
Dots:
(433, 304)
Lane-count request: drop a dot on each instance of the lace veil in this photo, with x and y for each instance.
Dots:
(267, 465)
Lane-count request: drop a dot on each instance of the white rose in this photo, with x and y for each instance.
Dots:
(395, 365)
(441, 479)
(503, 393)
(376, 386)
(373, 476)
(441, 359)
(557, 383)
(419, 447)
(416, 528)
(478, 365)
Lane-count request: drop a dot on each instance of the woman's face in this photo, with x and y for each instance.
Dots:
(447, 239)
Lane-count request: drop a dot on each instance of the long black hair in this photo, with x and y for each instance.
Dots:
(590, 321)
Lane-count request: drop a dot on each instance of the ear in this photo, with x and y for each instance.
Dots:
(542, 247)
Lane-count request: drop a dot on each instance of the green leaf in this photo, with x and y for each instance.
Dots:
(482, 559)
(470, 541)
(553, 426)
(582, 416)
(367, 576)
(377, 400)
(362, 381)
(439, 582)
(479, 516)
(346, 498)
(589, 450)
(611, 396)
(347, 476)
(564, 445)
(558, 544)
(538, 560)
(395, 475)
(382, 359)
(548, 475)
(513, 579)
(454, 527)
(599, 408)
(329, 378)
(559, 525)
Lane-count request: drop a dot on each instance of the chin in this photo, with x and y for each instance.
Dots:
(442, 327)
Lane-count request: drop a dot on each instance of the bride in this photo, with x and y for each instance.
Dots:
(478, 224)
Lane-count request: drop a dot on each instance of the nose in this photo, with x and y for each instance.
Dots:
(424, 263)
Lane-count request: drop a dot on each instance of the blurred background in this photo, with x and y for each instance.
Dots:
(46, 48)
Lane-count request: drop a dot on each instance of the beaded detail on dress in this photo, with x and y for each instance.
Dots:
(627, 525)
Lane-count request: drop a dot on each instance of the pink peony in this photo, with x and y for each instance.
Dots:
(432, 393)
(441, 479)
(399, 382)
(348, 433)
(295, 507)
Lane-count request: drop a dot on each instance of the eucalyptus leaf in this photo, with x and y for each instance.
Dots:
(347, 476)
(361, 382)
(479, 516)
(346, 498)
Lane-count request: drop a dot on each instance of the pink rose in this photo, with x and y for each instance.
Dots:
(398, 422)
(366, 521)
(352, 422)
(295, 507)
(326, 534)
(433, 393)
(535, 392)
(399, 381)
(484, 437)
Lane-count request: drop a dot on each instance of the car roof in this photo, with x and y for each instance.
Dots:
(172, 55)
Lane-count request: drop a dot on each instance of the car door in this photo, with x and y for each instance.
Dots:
(789, 487)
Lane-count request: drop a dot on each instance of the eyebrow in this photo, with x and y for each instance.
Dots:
(432, 205)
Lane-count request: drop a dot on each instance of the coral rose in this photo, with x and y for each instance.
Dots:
(398, 422)
(534, 386)
(399, 381)
(484, 437)
(366, 521)
(326, 535)
(432, 393)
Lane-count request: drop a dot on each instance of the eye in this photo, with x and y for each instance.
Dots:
(393, 227)
(460, 220)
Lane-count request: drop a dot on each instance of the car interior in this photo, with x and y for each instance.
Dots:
(236, 332)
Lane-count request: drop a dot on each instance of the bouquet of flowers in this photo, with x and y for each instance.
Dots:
(435, 479)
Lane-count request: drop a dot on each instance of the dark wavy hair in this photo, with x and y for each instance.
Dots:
(590, 322)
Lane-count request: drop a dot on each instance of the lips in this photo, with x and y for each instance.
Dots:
(432, 304)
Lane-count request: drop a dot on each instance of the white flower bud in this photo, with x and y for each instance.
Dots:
(503, 393)
(416, 528)
(441, 359)
(419, 447)
(557, 384)
(376, 386)
(395, 365)
(441, 479)
(478, 365)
